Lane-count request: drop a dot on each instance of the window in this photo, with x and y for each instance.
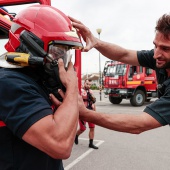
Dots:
(120, 69)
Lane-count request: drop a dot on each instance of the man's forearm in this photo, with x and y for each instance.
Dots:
(129, 123)
(115, 52)
(68, 113)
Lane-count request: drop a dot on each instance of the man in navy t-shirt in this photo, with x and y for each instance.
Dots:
(154, 115)
(38, 91)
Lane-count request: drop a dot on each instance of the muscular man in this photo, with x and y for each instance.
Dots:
(89, 101)
(154, 115)
(35, 132)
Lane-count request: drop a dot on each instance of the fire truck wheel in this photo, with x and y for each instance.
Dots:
(115, 100)
(138, 99)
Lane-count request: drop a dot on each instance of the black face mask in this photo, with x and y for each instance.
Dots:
(51, 79)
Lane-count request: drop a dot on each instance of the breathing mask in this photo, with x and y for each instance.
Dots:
(60, 51)
(47, 63)
(52, 81)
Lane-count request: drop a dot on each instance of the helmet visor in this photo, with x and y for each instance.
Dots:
(60, 51)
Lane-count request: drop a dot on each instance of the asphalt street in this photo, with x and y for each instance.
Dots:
(121, 151)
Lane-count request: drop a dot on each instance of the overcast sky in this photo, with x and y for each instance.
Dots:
(128, 23)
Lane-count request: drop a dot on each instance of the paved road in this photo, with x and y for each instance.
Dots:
(120, 151)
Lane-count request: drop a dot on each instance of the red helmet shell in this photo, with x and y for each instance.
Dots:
(47, 23)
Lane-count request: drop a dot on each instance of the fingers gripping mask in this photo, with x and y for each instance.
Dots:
(51, 76)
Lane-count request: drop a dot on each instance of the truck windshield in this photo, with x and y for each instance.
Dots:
(120, 69)
(110, 71)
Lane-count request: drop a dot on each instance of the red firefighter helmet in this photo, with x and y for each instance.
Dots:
(48, 24)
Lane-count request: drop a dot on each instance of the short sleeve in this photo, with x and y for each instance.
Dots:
(22, 103)
(145, 58)
(160, 108)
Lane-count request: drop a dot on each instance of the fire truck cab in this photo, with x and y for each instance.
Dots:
(124, 81)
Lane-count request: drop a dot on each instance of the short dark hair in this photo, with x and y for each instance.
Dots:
(163, 25)
(90, 80)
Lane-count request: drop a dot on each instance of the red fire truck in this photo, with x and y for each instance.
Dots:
(124, 81)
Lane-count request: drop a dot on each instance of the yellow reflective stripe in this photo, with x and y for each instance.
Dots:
(133, 82)
(139, 82)
(148, 82)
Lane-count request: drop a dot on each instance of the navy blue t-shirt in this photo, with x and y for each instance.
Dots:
(160, 108)
(22, 103)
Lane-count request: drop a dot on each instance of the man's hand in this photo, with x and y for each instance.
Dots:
(86, 34)
(54, 100)
(69, 77)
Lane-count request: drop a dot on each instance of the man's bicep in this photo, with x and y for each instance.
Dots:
(41, 134)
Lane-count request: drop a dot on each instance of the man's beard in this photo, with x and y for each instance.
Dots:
(166, 66)
(86, 88)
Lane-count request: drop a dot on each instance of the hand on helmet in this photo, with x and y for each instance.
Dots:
(68, 78)
(86, 34)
